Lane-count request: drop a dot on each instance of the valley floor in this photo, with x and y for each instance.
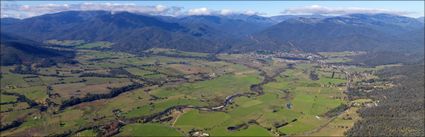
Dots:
(174, 93)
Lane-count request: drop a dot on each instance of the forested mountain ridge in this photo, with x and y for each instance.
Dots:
(379, 32)
(235, 25)
(212, 33)
(131, 32)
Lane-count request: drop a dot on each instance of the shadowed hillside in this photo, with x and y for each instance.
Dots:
(15, 50)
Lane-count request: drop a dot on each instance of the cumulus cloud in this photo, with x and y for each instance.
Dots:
(199, 11)
(224, 12)
(8, 9)
(317, 9)
(11, 9)
(24, 11)
(251, 12)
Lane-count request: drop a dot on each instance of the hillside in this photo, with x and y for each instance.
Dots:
(234, 25)
(400, 107)
(15, 50)
(352, 32)
(134, 33)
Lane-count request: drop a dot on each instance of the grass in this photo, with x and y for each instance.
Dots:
(308, 98)
(337, 60)
(340, 124)
(86, 133)
(100, 44)
(150, 129)
(65, 42)
(8, 117)
(7, 98)
(200, 120)
(338, 54)
(177, 52)
(59, 123)
(252, 130)
(160, 105)
(12, 80)
(36, 93)
(218, 87)
(15, 106)
(173, 102)
(376, 68)
(303, 124)
(138, 72)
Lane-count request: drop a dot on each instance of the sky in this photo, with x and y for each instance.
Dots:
(25, 9)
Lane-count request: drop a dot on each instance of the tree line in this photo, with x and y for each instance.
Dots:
(92, 97)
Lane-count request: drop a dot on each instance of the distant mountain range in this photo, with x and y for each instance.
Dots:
(234, 25)
(351, 32)
(421, 19)
(281, 18)
(132, 32)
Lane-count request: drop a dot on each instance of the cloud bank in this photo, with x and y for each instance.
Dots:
(317, 9)
(206, 11)
(11, 9)
(24, 11)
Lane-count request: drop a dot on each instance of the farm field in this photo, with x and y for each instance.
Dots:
(166, 92)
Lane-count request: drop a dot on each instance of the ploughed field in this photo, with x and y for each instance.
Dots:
(166, 92)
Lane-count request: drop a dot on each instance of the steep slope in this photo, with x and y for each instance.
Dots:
(134, 32)
(352, 32)
(129, 32)
(421, 19)
(238, 25)
(15, 50)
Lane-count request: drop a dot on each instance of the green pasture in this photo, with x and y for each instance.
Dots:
(148, 130)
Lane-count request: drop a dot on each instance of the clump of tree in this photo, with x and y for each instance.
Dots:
(24, 69)
(21, 98)
(92, 74)
(112, 73)
(11, 125)
(336, 111)
(313, 75)
(238, 127)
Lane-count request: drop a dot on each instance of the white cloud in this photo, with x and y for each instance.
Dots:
(317, 9)
(199, 11)
(251, 12)
(11, 9)
(224, 12)
(25, 11)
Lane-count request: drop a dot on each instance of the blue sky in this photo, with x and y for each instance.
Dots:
(264, 8)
